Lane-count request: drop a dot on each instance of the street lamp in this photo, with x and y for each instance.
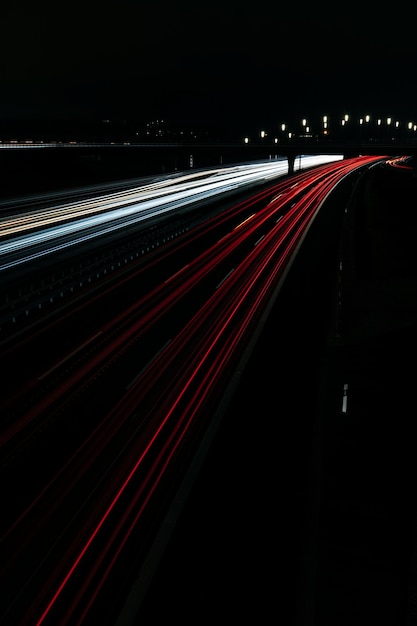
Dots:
(305, 127)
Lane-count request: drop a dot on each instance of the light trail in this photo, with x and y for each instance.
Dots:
(104, 485)
(36, 234)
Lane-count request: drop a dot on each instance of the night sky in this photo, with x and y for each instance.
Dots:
(219, 64)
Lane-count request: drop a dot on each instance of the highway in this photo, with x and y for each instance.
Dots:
(33, 229)
(123, 336)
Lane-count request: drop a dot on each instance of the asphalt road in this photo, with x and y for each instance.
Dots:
(365, 561)
(304, 512)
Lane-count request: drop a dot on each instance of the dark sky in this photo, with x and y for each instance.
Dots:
(219, 63)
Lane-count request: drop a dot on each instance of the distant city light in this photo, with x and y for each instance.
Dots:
(324, 126)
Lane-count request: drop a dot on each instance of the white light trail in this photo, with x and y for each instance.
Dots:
(32, 234)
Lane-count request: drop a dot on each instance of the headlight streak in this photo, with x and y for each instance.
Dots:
(138, 205)
(114, 217)
(184, 185)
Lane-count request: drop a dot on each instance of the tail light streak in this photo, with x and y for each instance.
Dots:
(209, 347)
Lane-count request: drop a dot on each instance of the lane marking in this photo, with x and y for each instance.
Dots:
(344, 399)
